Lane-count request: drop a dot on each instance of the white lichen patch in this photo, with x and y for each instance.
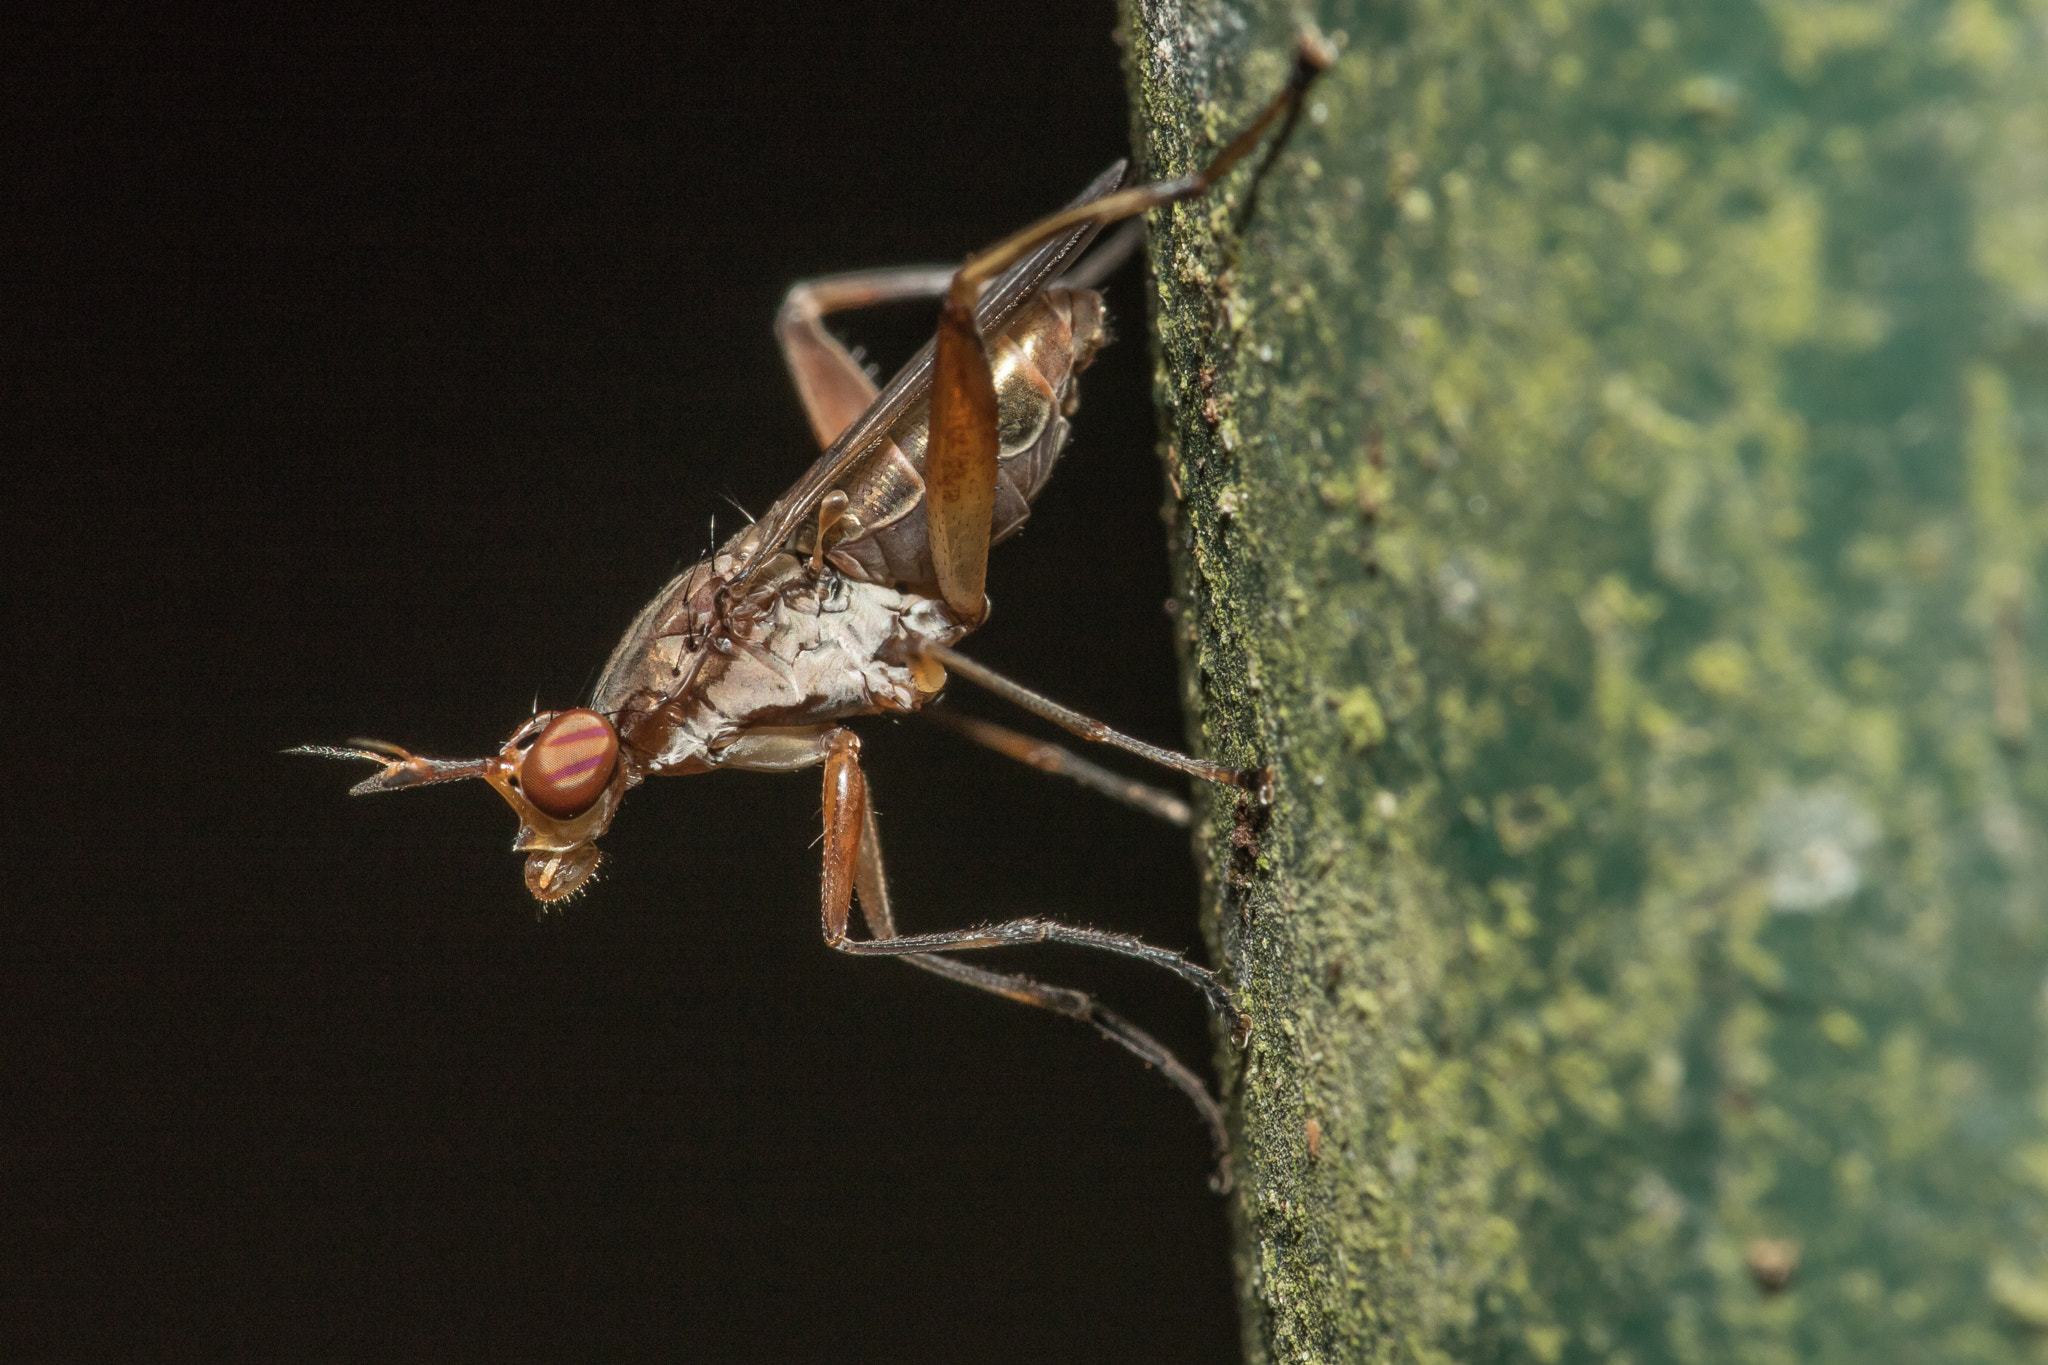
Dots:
(1816, 841)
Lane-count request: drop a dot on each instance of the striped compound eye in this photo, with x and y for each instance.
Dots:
(570, 765)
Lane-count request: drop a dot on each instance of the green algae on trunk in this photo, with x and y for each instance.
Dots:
(1608, 480)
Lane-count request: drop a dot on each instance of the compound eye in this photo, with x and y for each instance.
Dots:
(570, 764)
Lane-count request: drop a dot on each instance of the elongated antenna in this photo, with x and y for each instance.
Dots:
(402, 767)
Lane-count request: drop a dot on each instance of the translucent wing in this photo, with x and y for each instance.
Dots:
(1011, 291)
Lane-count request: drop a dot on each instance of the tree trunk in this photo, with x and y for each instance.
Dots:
(1608, 477)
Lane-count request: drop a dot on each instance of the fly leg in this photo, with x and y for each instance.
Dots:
(846, 813)
(960, 459)
(835, 389)
(1051, 758)
(1099, 264)
(1253, 780)
(872, 886)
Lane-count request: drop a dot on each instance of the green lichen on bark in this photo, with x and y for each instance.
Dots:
(1610, 473)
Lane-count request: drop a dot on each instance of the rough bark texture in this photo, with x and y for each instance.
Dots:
(1608, 483)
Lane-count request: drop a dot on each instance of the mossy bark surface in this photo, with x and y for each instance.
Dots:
(1609, 473)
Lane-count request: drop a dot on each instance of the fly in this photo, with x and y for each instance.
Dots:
(848, 596)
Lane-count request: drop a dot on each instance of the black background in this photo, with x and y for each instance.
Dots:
(364, 377)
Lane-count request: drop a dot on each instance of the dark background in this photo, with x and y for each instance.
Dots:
(363, 377)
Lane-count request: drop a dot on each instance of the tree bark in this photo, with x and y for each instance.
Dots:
(1609, 473)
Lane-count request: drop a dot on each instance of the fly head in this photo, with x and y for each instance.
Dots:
(560, 772)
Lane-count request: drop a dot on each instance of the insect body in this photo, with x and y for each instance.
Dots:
(846, 598)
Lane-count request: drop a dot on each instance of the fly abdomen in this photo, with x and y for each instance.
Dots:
(1034, 363)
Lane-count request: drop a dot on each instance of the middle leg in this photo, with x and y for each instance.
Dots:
(1257, 781)
(1051, 758)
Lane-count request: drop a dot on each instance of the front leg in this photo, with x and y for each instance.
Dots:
(846, 797)
(846, 804)
(853, 859)
(872, 886)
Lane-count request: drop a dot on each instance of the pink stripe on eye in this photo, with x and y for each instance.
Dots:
(592, 732)
(576, 769)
